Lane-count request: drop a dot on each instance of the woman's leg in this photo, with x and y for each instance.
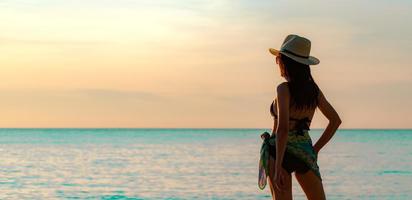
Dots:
(311, 185)
(276, 194)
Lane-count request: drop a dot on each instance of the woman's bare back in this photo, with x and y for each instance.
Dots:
(294, 114)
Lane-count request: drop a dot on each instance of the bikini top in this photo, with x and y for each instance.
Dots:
(300, 125)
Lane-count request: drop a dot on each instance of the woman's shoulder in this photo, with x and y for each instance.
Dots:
(283, 88)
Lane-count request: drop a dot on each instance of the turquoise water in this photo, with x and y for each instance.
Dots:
(190, 164)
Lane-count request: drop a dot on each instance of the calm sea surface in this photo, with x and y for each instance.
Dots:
(190, 164)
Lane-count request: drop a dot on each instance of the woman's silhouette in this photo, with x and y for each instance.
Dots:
(289, 148)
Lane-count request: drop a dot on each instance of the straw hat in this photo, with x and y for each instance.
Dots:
(296, 48)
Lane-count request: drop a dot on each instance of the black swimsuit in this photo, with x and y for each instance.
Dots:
(299, 155)
(301, 124)
(290, 162)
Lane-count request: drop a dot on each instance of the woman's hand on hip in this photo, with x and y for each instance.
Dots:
(316, 150)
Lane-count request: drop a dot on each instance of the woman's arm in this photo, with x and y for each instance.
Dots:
(334, 122)
(282, 129)
(275, 120)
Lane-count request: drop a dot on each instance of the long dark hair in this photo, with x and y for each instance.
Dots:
(303, 89)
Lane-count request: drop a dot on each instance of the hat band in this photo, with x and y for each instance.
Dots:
(287, 51)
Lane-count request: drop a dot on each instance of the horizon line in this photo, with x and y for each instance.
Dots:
(183, 128)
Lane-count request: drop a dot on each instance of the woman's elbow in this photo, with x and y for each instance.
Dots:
(336, 121)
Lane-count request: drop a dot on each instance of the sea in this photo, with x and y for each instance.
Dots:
(174, 164)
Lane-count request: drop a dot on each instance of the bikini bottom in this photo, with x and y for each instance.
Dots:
(290, 162)
(299, 155)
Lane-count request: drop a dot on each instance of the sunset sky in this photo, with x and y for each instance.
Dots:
(197, 63)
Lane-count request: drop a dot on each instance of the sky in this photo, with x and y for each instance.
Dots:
(197, 63)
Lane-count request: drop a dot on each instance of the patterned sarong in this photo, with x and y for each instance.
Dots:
(299, 144)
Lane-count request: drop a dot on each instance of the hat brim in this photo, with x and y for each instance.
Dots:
(307, 61)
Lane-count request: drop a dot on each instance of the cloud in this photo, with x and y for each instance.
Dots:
(118, 94)
(90, 94)
(21, 41)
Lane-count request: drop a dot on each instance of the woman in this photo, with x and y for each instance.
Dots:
(289, 148)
